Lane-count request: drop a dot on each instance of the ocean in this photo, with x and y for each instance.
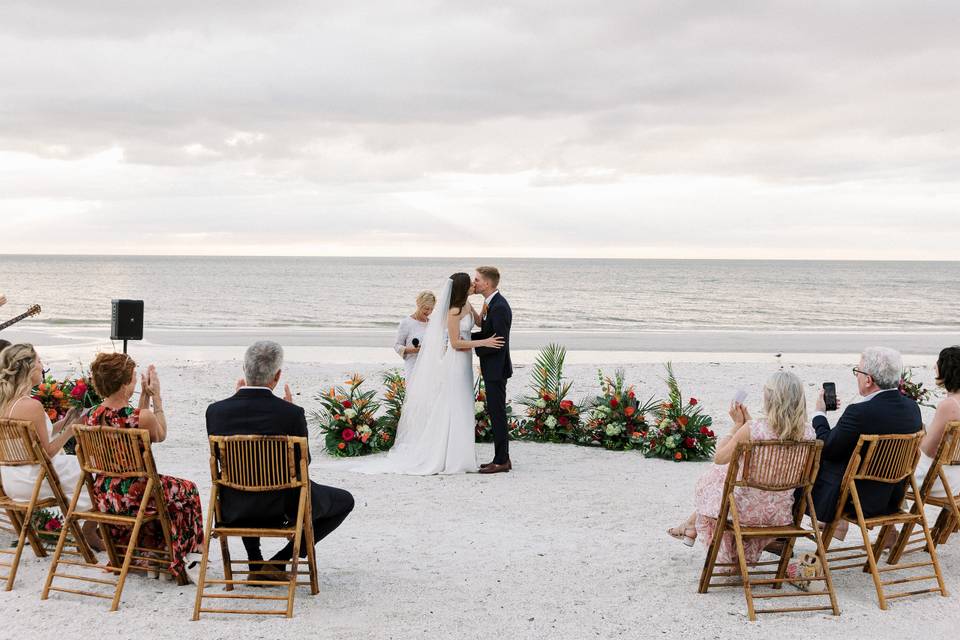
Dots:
(605, 304)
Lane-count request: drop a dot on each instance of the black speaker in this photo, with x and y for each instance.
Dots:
(126, 320)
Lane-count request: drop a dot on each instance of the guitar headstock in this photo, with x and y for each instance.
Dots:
(34, 310)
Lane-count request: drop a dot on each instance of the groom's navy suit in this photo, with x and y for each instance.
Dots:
(256, 411)
(496, 368)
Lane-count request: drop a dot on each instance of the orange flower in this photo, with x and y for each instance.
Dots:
(629, 411)
(57, 394)
(52, 414)
(678, 456)
(333, 393)
(385, 436)
(342, 446)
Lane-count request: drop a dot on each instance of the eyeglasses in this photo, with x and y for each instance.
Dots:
(856, 371)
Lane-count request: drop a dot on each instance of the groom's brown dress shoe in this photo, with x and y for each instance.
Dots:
(496, 468)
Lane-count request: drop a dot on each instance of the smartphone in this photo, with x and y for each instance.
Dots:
(830, 396)
(740, 396)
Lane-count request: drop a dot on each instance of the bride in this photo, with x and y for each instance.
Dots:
(436, 430)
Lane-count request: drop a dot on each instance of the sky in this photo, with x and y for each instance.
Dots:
(624, 128)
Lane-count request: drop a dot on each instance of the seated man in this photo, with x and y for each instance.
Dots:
(254, 410)
(883, 411)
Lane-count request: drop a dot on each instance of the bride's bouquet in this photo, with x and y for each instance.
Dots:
(347, 419)
(679, 430)
(616, 419)
(396, 391)
(550, 415)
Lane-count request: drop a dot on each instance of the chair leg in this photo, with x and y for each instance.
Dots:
(822, 554)
(25, 526)
(35, 543)
(931, 548)
(710, 562)
(202, 581)
(878, 544)
(311, 555)
(227, 563)
(742, 560)
(784, 561)
(871, 560)
(134, 537)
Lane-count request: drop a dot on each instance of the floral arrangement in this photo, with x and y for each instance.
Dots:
(550, 415)
(55, 397)
(396, 391)
(616, 419)
(915, 390)
(347, 419)
(47, 523)
(679, 430)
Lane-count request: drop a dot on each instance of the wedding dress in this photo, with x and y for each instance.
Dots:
(436, 429)
(18, 481)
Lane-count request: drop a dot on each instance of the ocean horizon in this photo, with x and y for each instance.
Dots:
(603, 304)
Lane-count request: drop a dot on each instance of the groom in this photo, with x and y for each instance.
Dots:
(495, 365)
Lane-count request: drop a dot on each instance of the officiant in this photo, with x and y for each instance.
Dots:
(411, 330)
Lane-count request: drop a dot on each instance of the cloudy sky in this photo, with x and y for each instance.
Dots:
(620, 128)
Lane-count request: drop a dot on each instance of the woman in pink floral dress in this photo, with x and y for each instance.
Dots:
(114, 378)
(785, 419)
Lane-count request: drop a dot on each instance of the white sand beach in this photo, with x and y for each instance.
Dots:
(571, 544)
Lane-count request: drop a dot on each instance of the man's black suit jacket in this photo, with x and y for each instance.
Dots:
(495, 364)
(256, 411)
(888, 412)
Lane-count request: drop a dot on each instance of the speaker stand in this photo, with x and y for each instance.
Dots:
(124, 347)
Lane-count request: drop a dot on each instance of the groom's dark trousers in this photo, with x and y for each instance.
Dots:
(256, 411)
(496, 368)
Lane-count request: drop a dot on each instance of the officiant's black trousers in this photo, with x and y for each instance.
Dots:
(330, 507)
(497, 408)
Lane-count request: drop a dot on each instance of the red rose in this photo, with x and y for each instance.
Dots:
(563, 421)
(566, 405)
(546, 396)
(631, 394)
(704, 431)
(347, 404)
(348, 435)
(693, 402)
(614, 402)
(689, 443)
(52, 525)
(79, 390)
(710, 433)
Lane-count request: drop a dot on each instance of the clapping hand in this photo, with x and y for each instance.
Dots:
(150, 382)
(739, 414)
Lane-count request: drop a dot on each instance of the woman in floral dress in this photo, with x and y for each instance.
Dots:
(785, 419)
(114, 378)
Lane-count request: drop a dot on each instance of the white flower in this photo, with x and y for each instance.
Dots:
(665, 424)
(364, 430)
(350, 413)
(672, 442)
(551, 422)
(541, 403)
(613, 429)
(478, 407)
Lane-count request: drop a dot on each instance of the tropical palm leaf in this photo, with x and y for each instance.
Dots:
(548, 371)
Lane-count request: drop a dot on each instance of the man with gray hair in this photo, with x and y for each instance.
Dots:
(882, 411)
(255, 410)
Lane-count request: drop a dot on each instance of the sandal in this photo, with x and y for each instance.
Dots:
(682, 533)
(802, 570)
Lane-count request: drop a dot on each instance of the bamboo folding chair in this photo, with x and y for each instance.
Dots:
(769, 466)
(948, 520)
(19, 446)
(117, 453)
(889, 459)
(257, 463)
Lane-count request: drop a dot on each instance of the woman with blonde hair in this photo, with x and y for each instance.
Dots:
(411, 330)
(785, 419)
(20, 371)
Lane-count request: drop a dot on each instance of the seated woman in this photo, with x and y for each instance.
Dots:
(114, 378)
(947, 374)
(411, 330)
(20, 371)
(785, 419)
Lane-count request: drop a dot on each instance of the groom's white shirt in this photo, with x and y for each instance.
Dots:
(487, 300)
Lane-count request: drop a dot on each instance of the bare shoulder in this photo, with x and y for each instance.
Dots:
(949, 408)
(27, 409)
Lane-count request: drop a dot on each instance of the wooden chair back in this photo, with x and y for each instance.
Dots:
(773, 465)
(258, 463)
(949, 450)
(890, 459)
(119, 453)
(16, 443)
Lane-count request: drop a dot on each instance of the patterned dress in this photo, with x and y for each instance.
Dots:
(122, 496)
(757, 508)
